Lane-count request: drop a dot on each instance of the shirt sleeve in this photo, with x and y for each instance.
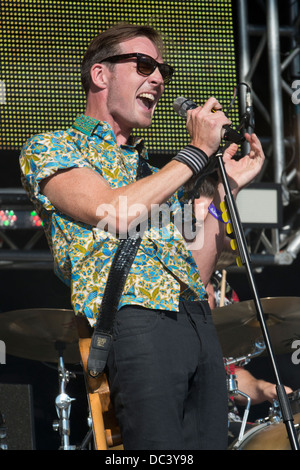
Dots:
(42, 156)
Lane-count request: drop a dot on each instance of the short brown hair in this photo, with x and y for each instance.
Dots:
(107, 44)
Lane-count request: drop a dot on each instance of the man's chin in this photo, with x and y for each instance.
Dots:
(143, 123)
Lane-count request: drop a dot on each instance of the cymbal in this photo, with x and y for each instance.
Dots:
(38, 333)
(238, 327)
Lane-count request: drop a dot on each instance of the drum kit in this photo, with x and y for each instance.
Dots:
(48, 335)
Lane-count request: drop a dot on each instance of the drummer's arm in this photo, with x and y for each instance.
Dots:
(258, 390)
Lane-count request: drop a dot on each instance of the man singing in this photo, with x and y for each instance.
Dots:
(165, 366)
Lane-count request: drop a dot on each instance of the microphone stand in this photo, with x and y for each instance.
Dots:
(245, 259)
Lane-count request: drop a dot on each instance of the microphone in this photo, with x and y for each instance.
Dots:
(181, 105)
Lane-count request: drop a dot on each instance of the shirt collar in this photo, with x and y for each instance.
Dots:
(91, 126)
(88, 125)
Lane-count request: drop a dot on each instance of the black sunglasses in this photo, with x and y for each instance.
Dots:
(145, 64)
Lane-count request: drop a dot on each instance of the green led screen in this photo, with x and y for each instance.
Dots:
(43, 43)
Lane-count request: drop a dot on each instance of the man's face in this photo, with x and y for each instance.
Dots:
(132, 97)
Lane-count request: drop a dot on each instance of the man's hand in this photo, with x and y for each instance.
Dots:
(205, 126)
(242, 172)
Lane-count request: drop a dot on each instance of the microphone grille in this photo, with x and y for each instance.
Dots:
(181, 105)
(177, 105)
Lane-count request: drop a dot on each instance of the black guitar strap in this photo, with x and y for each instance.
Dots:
(120, 267)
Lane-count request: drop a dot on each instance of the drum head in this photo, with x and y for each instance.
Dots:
(267, 436)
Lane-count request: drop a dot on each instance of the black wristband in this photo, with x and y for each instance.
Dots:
(193, 157)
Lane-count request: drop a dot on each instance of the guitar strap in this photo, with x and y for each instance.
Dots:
(120, 267)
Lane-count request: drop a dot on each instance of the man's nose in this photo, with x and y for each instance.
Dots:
(156, 77)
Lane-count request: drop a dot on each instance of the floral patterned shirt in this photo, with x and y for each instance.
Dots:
(82, 253)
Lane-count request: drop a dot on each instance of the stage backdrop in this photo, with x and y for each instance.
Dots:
(43, 43)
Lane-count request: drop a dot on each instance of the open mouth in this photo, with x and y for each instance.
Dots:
(147, 100)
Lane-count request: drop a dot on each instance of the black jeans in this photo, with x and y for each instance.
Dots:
(167, 379)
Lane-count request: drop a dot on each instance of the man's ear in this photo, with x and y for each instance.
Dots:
(99, 76)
